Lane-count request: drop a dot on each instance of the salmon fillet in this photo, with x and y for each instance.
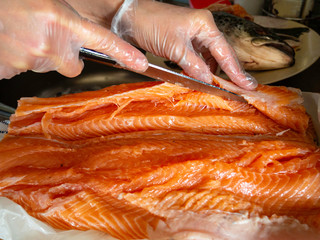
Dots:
(132, 159)
(159, 106)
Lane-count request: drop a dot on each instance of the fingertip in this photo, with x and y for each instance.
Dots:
(242, 78)
(229, 63)
(195, 67)
(139, 64)
(7, 72)
(245, 81)
(72, 69)
(249, 82)
(205, 76)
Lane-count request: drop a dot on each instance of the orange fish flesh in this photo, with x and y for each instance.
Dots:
(127, 158)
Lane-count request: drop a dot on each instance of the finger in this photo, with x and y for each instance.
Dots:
(14, 59)
(67, 67)
(20, 57)
(75, 70)
(58, 48)
(210, 61)
(194, 66)
(229, 63)
(103, 40)
(7, 72)
(67, 63)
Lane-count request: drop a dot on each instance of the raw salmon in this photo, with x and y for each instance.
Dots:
(159, 106)
(134, 160)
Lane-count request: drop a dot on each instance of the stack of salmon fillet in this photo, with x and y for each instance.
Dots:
(151, 160)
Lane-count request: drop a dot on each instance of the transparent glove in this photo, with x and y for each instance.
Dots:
(46, 35)
(181, 35)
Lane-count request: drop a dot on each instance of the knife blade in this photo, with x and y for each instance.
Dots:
(164, 74)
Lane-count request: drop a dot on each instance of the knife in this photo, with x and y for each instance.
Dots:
(164, 74)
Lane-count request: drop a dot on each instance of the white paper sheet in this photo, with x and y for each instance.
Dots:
(16, 224)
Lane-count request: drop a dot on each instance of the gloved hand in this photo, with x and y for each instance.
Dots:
(180, 34)
(45, 35)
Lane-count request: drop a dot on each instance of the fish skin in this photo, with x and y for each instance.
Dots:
(257, 48)
(126, 183)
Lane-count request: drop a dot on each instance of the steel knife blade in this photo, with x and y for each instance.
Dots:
(164, 74)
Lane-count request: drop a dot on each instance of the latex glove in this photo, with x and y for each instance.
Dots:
(45, 35)
(181, 35)
(100, 11)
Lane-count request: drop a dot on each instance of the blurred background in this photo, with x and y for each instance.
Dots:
(304, 11)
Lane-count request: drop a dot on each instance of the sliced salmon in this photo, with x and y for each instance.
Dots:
(160, 106)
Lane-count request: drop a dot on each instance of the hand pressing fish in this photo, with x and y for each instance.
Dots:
(257, 47)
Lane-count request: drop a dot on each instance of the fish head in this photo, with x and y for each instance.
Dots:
(257, 48)
(264, 53)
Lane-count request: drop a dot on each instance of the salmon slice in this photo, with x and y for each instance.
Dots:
(152, 172)
(159, 106)
(161, 146)
(282, 104)
(130, 159)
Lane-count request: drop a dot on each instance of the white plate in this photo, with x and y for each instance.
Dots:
(307, 53)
